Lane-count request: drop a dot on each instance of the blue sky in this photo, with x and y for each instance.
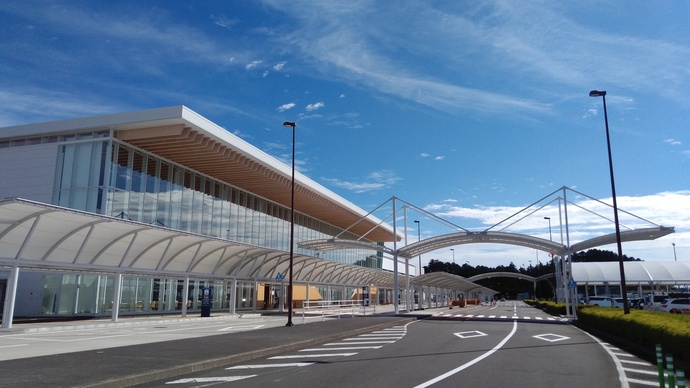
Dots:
(470, 110)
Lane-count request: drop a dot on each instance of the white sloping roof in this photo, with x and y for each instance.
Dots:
(452, 282)
(656, 272)
(183, 136)
(36, 235)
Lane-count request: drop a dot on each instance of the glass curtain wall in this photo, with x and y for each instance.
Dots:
(141, 187)
(151, 190)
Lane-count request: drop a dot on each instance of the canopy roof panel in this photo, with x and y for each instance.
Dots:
(36, 235)
(647, 272)
(451, 282)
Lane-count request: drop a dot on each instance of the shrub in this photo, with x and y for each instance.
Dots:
(643, 328)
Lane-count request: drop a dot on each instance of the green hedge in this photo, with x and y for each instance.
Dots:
(643, 328)
(552, 308)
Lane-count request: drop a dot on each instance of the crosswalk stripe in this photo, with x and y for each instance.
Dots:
(642, 372)
(346, 348)
(261, 366)
(633, 362)
(370, 339)
(210, 379)
(312, 355)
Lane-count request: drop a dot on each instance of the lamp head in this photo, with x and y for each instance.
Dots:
(547, 218)
(416, 222)
(597, 93)
(289, 124)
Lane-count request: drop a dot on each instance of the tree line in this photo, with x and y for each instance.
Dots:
(509, 287)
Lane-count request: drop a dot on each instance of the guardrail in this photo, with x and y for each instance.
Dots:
(335, 308)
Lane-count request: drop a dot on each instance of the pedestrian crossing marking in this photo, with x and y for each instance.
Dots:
(261, 366)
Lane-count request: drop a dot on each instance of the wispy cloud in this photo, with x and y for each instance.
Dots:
(315, 106)
(285, 107)
(376, 180)
(253, 65)
(224, 21)
(673, 142)
(529, 42)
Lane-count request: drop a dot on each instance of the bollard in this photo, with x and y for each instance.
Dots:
(660, 366)
(680, 379)
(671, 371)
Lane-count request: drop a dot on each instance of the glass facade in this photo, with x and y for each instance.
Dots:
(112, 178)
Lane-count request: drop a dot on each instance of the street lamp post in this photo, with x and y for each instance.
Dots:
(674, 252)
(626, 308)
(453, 250)
(550, 237)
(292, 224)
(419, 238)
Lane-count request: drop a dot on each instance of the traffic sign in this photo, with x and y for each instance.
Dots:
(572, 284)
(279, 276)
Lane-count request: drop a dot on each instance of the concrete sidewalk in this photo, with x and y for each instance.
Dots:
(130, 365)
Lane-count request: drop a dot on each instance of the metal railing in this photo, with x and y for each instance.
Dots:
(335, 308)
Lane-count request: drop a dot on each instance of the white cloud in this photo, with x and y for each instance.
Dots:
(424, 155)
(224, 21)
(279, 66)
(285, 107)
(376, 180)
(252, 65)
(673, 141)
(315, 106)
(439, 158)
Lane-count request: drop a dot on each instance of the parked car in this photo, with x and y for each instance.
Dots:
(676, 305)
(604, 301)
(636, 303)
(654, 302)
(617, 302)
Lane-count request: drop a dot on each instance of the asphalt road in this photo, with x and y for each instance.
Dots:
(509, 344)
(504, 344)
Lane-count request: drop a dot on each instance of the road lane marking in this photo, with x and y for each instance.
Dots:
(241, 328)
(643, 382)
(362, 343)
(634, 362)
(550, 337)
(261, 366)
(622, 377)
(13, 346)
(312, 355)
(470, 334)
(210, 379)
(345, 348)
(642, 372)
(469, 364)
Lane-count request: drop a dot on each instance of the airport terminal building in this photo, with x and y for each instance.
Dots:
(153, 206)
